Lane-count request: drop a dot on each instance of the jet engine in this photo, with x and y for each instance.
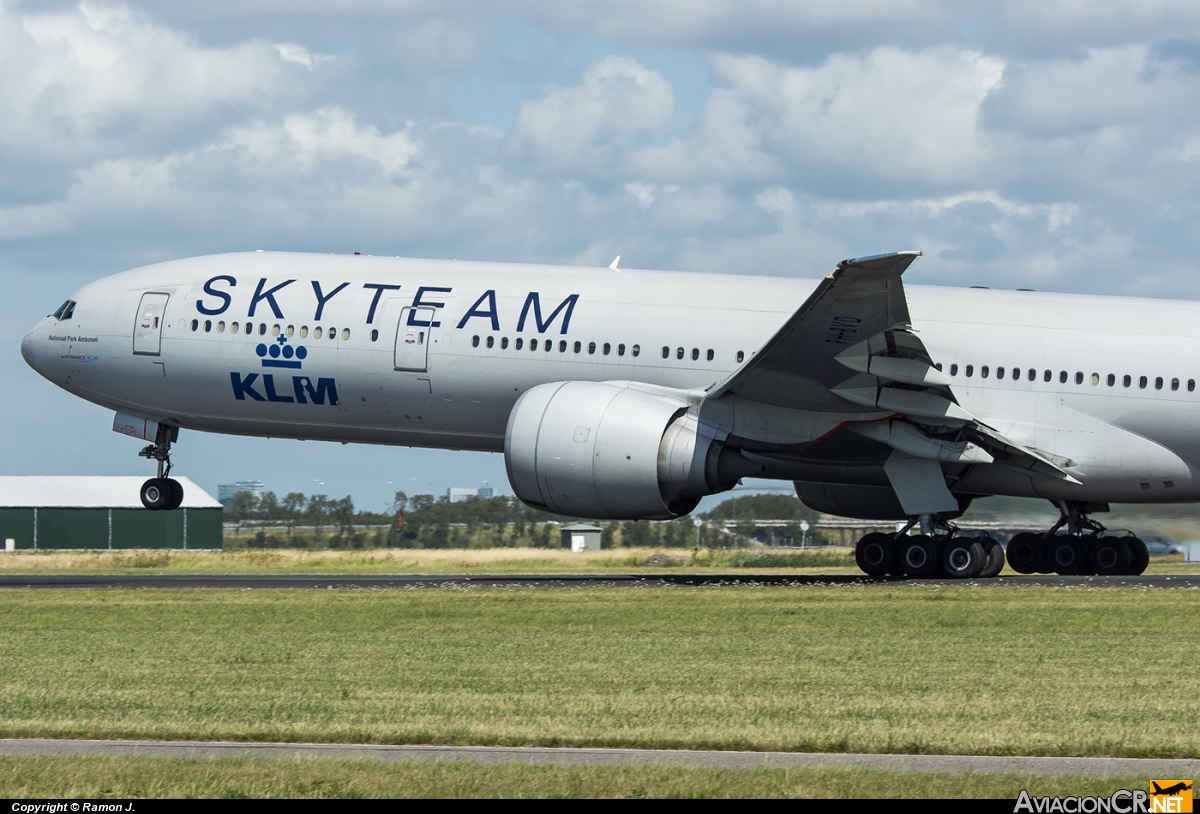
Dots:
(608, 451)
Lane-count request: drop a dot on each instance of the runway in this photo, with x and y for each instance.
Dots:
(495, 755)
(342, 581)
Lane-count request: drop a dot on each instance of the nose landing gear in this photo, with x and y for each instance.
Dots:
(162, 493)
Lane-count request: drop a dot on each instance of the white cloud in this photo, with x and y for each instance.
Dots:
(79, 84)
(291, 52)
(301, 141)
(583, 127)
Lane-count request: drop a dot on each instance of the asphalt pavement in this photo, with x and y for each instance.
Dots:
(540, 580)
(494, 755)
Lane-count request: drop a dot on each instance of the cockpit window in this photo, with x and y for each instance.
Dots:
(65, 310)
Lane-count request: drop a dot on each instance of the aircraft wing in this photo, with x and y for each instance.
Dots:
(856, 312)
(850, 353)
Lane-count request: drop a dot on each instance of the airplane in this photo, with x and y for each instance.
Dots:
(624, 394)
(1170, 791)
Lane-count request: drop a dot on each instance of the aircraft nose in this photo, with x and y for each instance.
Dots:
(33, 349)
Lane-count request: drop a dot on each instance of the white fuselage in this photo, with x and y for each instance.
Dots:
(425, 353)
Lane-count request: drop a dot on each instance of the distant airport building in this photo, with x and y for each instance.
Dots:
(579, 537)
(457, 494)
(40, 512)
(226, 491)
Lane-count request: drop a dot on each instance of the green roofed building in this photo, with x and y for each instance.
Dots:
(51, 512)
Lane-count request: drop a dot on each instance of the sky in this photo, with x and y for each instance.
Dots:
(1052, 145)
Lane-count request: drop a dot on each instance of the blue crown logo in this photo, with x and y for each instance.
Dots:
(291, 355)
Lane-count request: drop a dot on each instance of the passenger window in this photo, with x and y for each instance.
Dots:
(1032, 375)
(374, 335)
(635, 350)
(233, 327)
(289, 330)
(504, 343)
(262, 329)
(591, 347)
(1191, 385)
(999, 372)
(970, 371)
(195, 324)
(533, 343)
(345, 334)
(562, 346)
(1142, 382)
(1174, 384)
(1062, 376)
(711, 354)
(607, 348)
(1095, 379)
(474, 341)
(491, 341)
(938, 367)
(274, 330)
(1047, 376)
(303, 331)
(221, 327)
(695, 354)
(520, 343)
(1078, 377)
(620, 350)
(954, 370)
(208, 326)
(666, 352)
(1111, 380)
(1158, 383)
(740, 356)
(578, 347)
(679, 353)
(983, 371)
(1126, 380)
(548, 345)
(1016, 373)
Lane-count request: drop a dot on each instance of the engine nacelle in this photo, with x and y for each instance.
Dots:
(606, 451)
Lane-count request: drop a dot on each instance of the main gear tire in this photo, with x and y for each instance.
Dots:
(875, 554)
(1109, 556)
(1026, 551)
(1067, 556)
(1140, 556)
(919, 556)
(961, 558)
(994, 558)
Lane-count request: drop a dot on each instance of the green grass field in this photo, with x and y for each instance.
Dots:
(976, 670)
(98, 778)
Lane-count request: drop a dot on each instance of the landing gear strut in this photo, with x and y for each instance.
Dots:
(1085, 548)
(162, 493)
(938, 551)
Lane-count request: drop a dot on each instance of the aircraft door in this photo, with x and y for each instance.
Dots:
(147, 328)
(412, 341)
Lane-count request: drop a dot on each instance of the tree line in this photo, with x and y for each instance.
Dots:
(423, 521)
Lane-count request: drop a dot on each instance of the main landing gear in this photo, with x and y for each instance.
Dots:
(1085, 548)
(162, 493)
(938, 551)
